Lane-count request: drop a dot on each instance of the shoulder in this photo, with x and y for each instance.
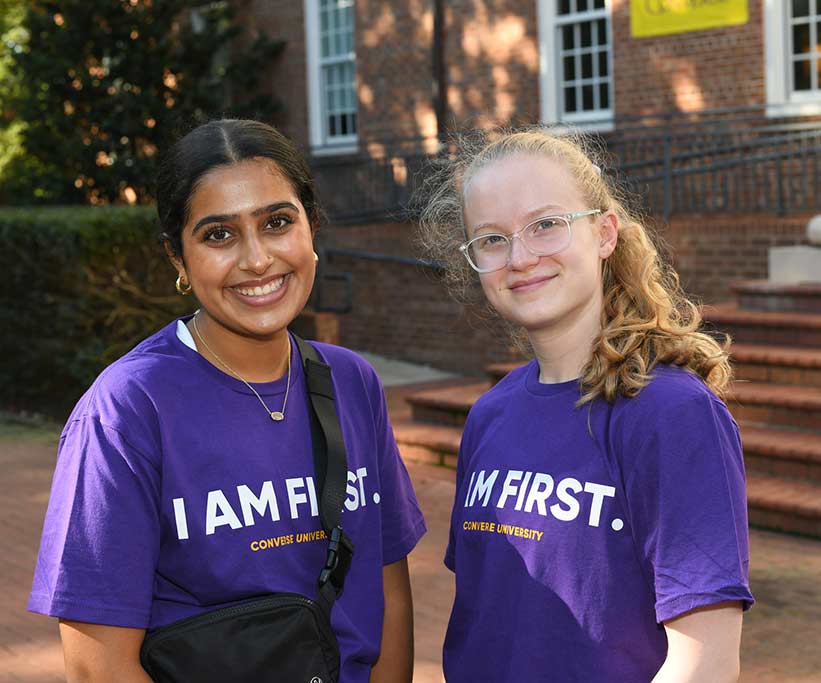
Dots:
(348, 368)
(675, 404)
(669, 389)
(125, 388)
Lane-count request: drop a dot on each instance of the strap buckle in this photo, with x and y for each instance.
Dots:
(340, 551)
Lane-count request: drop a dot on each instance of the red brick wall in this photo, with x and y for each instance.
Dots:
(712, 251)
(721, 67)
(393, 238)
(394, 70)
(405, 312)
(287, 77)
(492, 62)
(492, 58)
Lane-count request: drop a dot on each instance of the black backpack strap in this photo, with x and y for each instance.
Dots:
(330, 470)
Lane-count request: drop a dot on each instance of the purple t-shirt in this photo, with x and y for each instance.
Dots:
(576, 532)
(176, 494)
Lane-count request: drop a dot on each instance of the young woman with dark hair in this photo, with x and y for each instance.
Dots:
(185, 475)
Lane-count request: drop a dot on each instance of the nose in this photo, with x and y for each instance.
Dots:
(254, 256)
(521, 258)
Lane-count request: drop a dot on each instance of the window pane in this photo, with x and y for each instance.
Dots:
(587, 65)
(601, 26)
(587, 97)
(353, 123)
(570, 100)
(800, 39)
(604, 96)
(343, 127)
(569, 68)
(801, 75)
(567, 38)
(564, 7)
(598, 4)
(800, 8)
(582, 5)
(332, 125)
(603, 64)
(585, 41)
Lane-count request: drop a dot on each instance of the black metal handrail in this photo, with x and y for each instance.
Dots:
(737, 163)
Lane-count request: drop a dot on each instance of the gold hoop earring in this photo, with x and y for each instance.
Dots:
(316, 257)
(183, 286)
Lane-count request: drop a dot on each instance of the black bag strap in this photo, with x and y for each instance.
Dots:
(330, 471)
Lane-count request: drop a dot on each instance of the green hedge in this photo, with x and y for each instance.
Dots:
(82, 286)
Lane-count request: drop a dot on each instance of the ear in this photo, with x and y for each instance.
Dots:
(608, 234)
(176, 260)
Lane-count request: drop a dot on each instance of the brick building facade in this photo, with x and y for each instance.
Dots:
(729, 115)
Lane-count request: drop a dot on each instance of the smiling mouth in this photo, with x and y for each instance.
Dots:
(262, 290)
(528, 284)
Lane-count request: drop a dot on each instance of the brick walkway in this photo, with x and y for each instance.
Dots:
(781, 634)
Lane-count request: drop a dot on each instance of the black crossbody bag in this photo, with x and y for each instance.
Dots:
(278, 637)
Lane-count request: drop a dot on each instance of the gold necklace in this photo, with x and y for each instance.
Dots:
(276, 415)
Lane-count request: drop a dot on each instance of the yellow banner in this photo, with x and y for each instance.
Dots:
(663, 17)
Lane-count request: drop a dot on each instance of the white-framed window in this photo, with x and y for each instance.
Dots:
(331, 66)
(576, 62)
(792, 36)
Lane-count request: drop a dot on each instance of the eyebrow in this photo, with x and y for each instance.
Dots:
(222, 217)
(549, 210)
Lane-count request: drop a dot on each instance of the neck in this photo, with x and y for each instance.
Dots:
(254, 359)
(563, 349)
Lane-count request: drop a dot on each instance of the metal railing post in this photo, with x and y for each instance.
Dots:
(668, 177)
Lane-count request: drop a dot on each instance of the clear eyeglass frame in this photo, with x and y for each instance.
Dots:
(566, 218)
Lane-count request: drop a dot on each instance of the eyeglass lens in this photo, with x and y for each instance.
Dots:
(543, 237)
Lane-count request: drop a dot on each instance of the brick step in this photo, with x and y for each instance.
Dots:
(754, 362)
(784, 505)
(778, 364)
(778, 405)
(428, 443)
(448, 406)
(782, 453)
(759, 403)
(764, 327)
(763, 295)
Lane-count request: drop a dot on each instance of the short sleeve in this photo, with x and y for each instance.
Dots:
(402, 521)
(101, 535)
(450, 551)
(687, 505)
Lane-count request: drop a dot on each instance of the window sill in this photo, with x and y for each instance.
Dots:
(808, 107)
(335, 150)
(569, 126)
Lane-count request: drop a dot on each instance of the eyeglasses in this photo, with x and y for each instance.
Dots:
(545, 236)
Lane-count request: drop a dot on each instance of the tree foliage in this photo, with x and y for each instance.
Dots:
(11, 35)
(107, 83)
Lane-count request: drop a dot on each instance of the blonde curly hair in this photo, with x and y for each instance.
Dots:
(646, 319)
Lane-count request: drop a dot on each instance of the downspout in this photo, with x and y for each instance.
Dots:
(440, 98)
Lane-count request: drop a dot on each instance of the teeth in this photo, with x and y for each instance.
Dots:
(261, 291)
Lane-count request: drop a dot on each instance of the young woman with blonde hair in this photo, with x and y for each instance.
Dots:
(599, 531)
